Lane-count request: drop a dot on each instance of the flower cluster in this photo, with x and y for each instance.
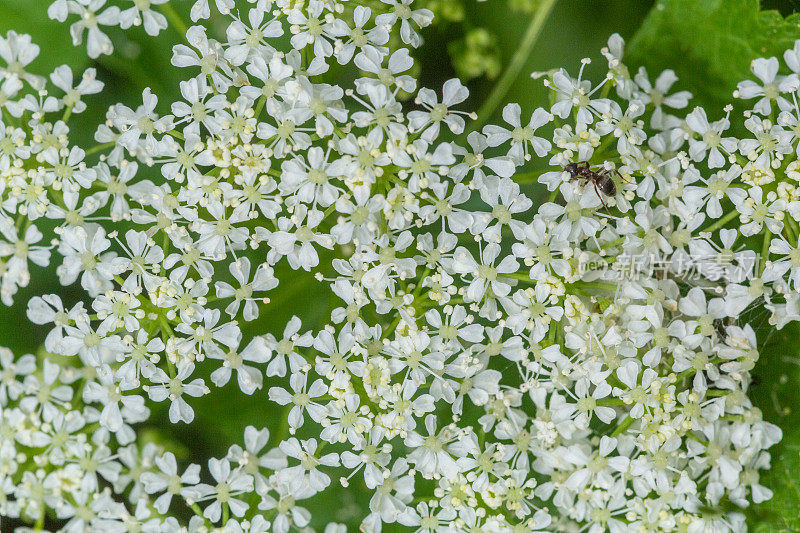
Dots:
(488, 365)
(473, 55)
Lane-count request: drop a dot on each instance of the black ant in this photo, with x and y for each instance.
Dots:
(602, 181)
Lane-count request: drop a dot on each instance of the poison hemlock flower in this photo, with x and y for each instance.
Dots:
(480, 361)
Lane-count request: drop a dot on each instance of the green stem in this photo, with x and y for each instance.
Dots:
(260, 105)
(612, 244)
(514, 67)
(721, 222)
(199, 512)
(530, 177)
(283, 432)
(520, 276)
(764, 251)
(595, 285)
(552, 332)
(787, 230)
(623, 426)
(789, 221)
(99, 147)
(9, 119)
(610, 402)
(600, 150)
(167, 330)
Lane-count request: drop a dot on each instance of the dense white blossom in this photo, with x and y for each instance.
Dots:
(489, 363)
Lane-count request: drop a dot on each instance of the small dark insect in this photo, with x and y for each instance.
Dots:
(601, 180)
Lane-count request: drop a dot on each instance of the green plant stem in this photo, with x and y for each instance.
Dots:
(99, 147)
(260, 105)
(764, 251)
(552, 332)
(790, 222)
(283, 431)
(530, 177)
(721, 222)
(517, 62)
(623, 426)
(67, 113)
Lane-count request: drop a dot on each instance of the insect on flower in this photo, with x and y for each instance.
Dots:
(601, 180)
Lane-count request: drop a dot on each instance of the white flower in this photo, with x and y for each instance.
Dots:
(18, 51)
(174, 388)
(140, 124)
(431, 454)
(167, 479)
(773, 86)
(758, 212)
(244, 40)
(302, 399)
(371, 60)
(91, 18)
(249, 378)
(711, 141)
(296, 237)
(286, 348)
(485, 275)
(306, 453)
(606, 373)
(428, 122)
(62, 78)
(108, 393)
(200, 9)
(10, 385)
(657, 93)
(401, 10)
(141, 13)
(522, 137)
(47, 391)
(576, 93)
(84, 255)
(229, 483)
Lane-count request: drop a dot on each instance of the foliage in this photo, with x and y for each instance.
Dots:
(710, 43)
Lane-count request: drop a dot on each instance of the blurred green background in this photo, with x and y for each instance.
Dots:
(709, 43)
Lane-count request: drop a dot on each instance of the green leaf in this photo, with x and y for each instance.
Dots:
(782, 513)
(710, 44)
(777, 393)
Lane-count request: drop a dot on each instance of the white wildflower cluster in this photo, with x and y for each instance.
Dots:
(489, 366)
